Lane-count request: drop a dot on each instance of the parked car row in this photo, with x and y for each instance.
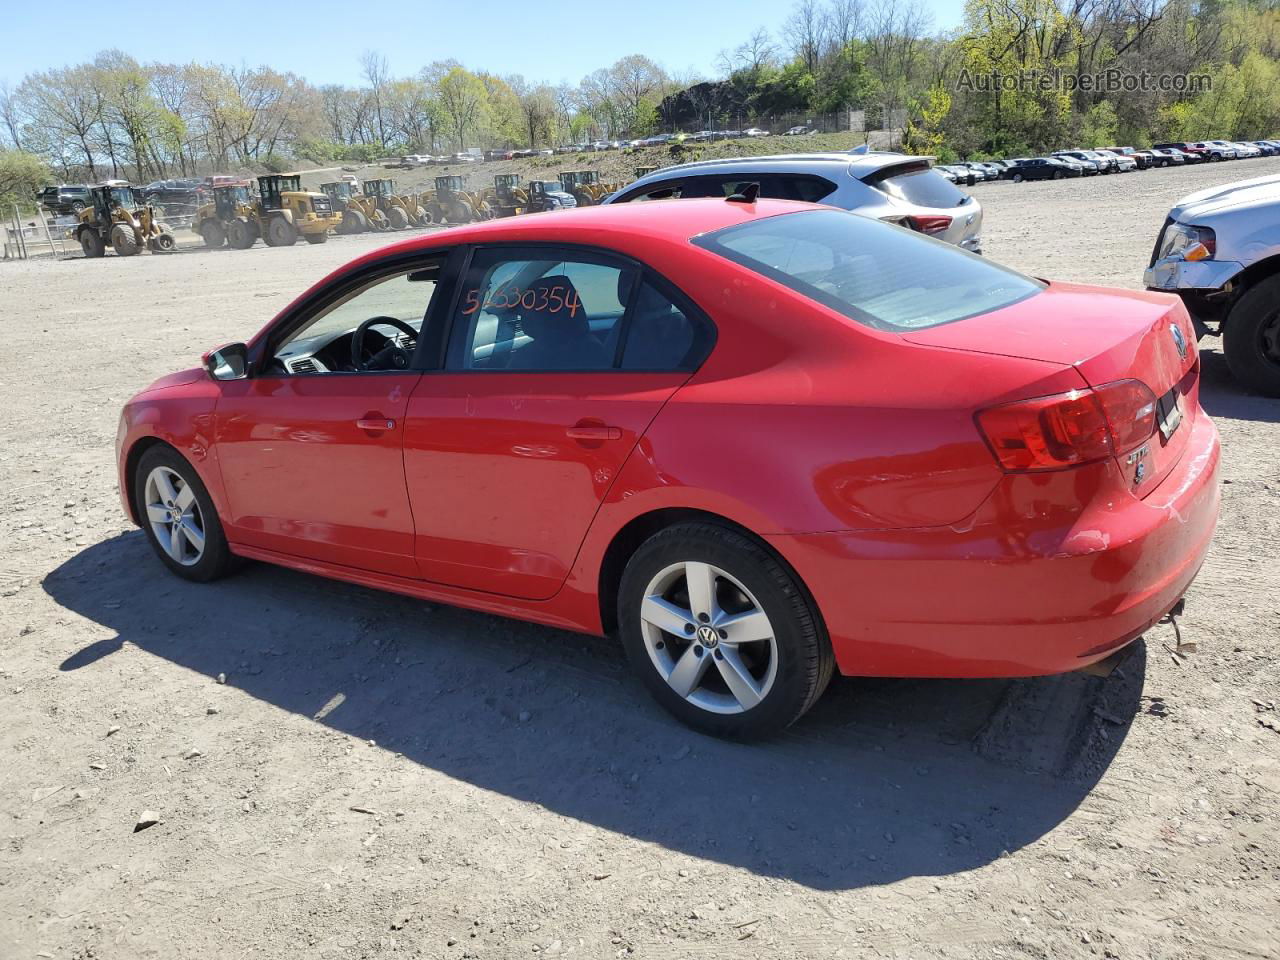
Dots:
(1087, 163)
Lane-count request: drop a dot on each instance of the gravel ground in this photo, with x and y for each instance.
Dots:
(382, 777)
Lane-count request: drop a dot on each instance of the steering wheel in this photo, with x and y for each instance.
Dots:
(391, 357)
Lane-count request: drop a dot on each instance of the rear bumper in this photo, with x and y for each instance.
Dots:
(1021, 588)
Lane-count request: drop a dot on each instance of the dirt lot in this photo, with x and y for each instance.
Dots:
(381, 777)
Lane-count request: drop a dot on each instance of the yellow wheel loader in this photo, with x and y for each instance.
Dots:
(452, 204)
(227, 217)
(114, 217)
(285, 212)
(401, 210)
(341, 194)
(507, 198)
(584, 186)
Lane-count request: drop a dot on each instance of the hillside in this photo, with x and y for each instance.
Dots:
(614, 166)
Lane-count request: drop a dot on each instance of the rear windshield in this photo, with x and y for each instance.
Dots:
(880, 275)
(923, 187)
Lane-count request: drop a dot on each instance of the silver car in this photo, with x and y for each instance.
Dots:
(886, 186)
(1219, 250)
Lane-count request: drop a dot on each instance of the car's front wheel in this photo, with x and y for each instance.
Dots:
(1251, 337)
(179, 518)
(721, 632)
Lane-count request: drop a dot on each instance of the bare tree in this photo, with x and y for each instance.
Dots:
(843, 22)
(752, 55)
(373, 67)
(9, 114)
(805, 31)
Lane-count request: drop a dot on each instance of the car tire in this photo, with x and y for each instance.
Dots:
(1017, 178)
(92, 244)
(213, 233)
(77, 208)
(737, 689)
(1058, 174)
(197, 550)
(1251, 338)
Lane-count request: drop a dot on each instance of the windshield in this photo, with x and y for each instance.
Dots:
(877, 274)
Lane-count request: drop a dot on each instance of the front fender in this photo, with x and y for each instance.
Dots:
(178, 411)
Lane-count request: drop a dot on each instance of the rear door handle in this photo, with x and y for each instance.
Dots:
(586, 432)
(380, 423)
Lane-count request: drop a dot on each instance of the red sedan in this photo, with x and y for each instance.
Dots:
(758, 440)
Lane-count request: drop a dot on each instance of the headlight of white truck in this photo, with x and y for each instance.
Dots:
(1180, 238)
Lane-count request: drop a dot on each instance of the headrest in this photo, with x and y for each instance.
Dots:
(552, 316)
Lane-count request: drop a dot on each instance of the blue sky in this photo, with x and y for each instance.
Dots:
(550, 42)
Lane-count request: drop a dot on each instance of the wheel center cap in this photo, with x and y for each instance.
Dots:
(707, 636)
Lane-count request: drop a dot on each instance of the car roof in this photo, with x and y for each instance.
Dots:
(858, 164)
(614, 226)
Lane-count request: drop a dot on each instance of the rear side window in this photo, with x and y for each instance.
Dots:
(920, 186)
(660, 334)
(877, 274)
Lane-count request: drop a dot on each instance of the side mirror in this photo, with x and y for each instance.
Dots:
(230, 362)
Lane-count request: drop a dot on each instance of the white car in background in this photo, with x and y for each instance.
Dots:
(1219, 250)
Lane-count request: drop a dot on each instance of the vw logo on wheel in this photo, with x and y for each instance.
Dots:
(707, 636)
(1179, 340)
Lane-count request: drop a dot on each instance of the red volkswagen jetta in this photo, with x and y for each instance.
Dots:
(757, 440)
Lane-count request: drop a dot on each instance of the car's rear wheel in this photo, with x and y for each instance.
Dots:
(721, 633)
(1251, 338)
(1017, 178)
(179, 518)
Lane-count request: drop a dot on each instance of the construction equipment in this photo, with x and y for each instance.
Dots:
(400, 210)
(228, 215)
(507, 198)
(642, 172)
(284, 211)
(451, 203)
(340, 194)
(114, 216)
(584, 186)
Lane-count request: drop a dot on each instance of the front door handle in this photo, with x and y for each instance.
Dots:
(593, 432)
(378, 423)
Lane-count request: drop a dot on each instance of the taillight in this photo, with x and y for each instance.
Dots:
(1068, 429)
(932, 224)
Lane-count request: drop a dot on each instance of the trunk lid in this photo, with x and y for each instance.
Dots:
(1106, 335)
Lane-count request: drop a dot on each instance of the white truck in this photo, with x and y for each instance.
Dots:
(1219, 250)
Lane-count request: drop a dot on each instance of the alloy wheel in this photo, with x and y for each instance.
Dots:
(174, 514)
(709, 638)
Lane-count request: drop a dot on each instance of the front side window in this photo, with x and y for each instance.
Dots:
(373, 327)
(567, 311)
(877, 274)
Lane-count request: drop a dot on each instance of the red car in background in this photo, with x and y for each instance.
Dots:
(759, 440)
